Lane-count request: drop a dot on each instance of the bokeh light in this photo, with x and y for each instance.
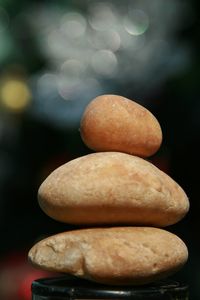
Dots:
(109, 40)
(15, 94)
(102, 15)
(137, 22)
(104, 62)
(72, 68)
(73, 25)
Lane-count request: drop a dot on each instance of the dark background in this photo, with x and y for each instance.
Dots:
(55, 56)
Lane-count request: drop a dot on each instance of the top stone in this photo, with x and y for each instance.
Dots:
(115, 123)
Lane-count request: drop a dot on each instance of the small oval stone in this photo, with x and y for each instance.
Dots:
(117, 256)
(112, 188)
(115, 123)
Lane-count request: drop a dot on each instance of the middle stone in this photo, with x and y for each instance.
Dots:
(112, 188)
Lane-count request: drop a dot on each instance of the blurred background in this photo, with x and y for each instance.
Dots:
(55, 56)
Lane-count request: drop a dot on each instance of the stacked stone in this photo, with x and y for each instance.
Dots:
(120, 196)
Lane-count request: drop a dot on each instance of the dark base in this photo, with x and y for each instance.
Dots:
(69, 287)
